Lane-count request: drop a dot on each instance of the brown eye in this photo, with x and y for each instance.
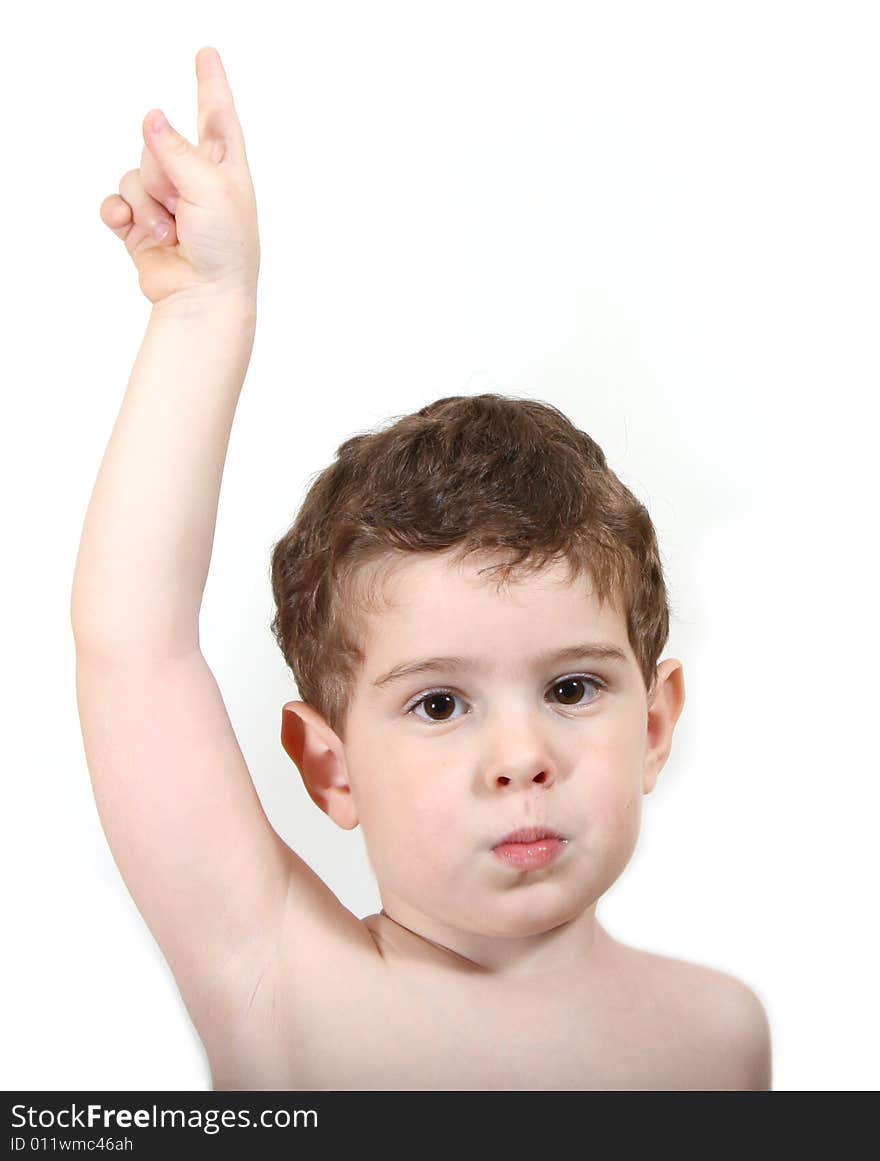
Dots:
(439, 705)
(571, 690)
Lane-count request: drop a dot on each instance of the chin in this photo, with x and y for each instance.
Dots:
(528, 916)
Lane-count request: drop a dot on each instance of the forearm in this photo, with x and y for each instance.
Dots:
(149, 528)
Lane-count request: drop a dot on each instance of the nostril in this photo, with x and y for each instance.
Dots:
(540, 777)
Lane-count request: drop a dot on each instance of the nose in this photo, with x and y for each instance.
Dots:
(519, 755)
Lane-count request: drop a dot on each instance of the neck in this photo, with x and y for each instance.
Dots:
(527, 950)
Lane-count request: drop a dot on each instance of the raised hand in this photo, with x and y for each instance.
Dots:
(202, 195)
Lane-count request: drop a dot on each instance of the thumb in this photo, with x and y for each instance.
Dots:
(185, 168)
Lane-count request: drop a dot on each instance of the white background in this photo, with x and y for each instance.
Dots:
(663, 219)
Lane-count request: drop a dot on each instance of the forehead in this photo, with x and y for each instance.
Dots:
(427, 603)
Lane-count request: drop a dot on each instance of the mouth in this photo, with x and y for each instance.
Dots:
(529, 848)
(528, 834)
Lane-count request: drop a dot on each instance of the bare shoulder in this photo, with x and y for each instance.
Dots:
(717, 1020)
(737, 1020)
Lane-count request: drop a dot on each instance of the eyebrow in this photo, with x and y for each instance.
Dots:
(597, 650)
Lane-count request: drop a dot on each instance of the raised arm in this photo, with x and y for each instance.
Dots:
(149, 530)
(205, 867)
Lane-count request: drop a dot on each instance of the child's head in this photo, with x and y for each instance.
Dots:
(385, 617)
(477, 476)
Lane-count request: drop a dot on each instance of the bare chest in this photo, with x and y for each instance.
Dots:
(414, 1027)
(431, 1040)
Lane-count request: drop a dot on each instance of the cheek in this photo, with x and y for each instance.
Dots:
(609, 804)
(625, 815)
(434, 810)
(422, 842)
(612, 796)
(414, 806)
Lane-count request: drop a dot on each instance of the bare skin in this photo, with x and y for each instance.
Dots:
(463, 981)
(394, 1012)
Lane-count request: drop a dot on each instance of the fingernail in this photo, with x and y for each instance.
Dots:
(158, 122)
(171, 203)
(161, 230)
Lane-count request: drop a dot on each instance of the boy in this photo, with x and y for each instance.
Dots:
(473, 607)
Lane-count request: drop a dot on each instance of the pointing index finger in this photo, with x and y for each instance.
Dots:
(209, 64)
(217, 117)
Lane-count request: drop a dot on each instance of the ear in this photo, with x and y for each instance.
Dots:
(320, 758)
(664, 708)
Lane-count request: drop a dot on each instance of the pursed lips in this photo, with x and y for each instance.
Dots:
(528, 834)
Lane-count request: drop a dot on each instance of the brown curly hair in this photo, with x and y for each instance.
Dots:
(484, 474)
